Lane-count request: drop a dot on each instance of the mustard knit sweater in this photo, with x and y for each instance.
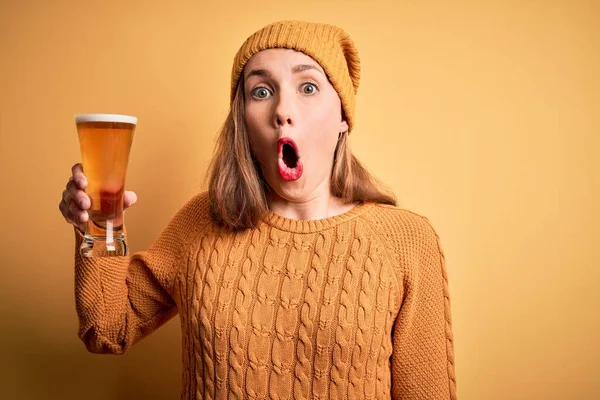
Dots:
(354, 306)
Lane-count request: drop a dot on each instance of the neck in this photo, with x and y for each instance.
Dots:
(313, 208)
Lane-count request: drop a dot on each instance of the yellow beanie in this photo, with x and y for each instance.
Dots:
(328, 45)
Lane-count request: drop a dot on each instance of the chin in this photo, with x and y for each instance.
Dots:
(294, 191)
(290, 191)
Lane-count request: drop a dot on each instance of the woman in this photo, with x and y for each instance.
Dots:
(295, 276)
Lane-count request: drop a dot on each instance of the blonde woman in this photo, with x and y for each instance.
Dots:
(295, 275)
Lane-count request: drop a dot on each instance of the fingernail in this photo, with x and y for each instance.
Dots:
(84, 217)
(84, 203)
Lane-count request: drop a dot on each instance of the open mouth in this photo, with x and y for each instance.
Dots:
(290, 158)
(289, 164)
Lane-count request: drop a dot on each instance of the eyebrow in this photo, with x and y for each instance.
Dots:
(297, 69)
(304, 67)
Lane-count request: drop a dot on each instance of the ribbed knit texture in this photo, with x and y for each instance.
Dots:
(328, 45)
(349, 307)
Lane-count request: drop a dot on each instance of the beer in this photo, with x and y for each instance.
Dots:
(105, 142)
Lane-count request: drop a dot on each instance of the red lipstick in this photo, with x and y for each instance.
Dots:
(289, 163)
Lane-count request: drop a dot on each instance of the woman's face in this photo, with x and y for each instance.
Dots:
(293, 118)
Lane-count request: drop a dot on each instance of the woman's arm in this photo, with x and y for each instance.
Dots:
(120, 300)
(423, 353)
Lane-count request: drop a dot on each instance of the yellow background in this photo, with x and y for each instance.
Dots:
(481, 115)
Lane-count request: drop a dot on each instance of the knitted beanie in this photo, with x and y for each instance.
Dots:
(328, 45)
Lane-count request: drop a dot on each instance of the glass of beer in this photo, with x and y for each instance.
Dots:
(105, 142)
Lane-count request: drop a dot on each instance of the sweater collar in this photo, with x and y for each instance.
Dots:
(310, 226)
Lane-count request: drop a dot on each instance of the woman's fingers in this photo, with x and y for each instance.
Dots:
(78, 176)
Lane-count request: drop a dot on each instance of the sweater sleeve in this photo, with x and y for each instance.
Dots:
(121, 300)
(423, 349)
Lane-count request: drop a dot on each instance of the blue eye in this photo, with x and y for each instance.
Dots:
(309, 88)
(261, 93)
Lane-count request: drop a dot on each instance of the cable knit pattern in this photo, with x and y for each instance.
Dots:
(354, 306)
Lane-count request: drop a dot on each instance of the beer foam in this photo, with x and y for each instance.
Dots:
(125, 119)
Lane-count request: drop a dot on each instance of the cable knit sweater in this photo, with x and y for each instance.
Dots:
(354, 306)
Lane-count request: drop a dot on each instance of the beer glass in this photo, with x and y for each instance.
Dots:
(105, 142)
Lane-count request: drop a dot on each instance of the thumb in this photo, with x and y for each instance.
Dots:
(129, 199)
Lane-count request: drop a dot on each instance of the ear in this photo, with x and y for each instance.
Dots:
(344, 126)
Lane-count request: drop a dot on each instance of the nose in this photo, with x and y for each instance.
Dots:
(284, 111)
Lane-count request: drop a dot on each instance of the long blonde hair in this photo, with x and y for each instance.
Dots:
(237, 189)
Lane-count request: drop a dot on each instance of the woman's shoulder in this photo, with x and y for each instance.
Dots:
(194, 212)
(406, 231)
(396, 219)
(198, 202)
